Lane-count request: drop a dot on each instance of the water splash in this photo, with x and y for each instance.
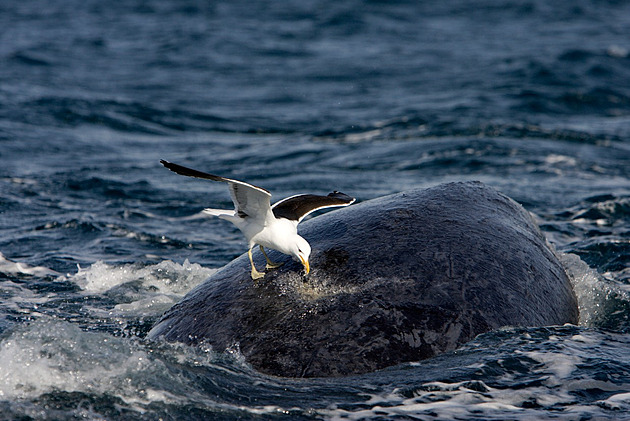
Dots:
(167, 276)
(603, 302)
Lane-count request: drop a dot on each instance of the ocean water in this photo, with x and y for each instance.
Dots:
(370, 98)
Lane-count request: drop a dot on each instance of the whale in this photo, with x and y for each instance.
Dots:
(396, 279)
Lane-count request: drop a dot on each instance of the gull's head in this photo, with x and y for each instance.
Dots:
(301, 251)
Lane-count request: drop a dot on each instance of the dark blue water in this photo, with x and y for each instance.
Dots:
(366, 97)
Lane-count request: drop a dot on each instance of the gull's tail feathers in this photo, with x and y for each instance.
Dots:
(228, 215)
(219, 212)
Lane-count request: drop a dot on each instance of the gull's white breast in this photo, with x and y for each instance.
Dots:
(278, 234)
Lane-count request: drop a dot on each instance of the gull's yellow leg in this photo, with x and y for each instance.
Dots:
(255, 273)
(270, 264)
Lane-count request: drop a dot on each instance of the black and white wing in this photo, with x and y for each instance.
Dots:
(249, 200)
(295, 208)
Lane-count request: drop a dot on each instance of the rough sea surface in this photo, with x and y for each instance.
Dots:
(97, 240)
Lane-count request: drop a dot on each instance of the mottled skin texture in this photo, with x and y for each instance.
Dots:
(395, 279)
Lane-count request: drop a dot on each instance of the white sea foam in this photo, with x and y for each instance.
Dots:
(554, 376)
(558, 365)
(146, 290)
(12, 267)
(160, 285)
(54, 355)
(50, 355)
(446, 401)
(166, 276)
(620, 401)
(140, 293)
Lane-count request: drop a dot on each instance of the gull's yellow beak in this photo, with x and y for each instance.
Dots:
(306, 266)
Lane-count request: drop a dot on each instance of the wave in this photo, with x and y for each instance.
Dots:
(603, 101)
(544, 373)
(417, 127)
(54, 367)
(601, 224)
(124, 116)
(8, 266)
(28, 58)
(125, 298)
(573, 82)
(604, 210)
(550, 373)
(592, 237)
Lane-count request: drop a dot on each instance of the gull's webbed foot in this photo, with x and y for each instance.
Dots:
(270, 264)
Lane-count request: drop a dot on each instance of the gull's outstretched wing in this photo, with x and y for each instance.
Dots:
(295, 208)
(249, 200)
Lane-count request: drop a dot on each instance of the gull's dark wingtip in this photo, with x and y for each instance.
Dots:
(189, 172)
(175, 168)
(342, 196)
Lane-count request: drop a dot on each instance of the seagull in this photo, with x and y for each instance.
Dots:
(274, 227)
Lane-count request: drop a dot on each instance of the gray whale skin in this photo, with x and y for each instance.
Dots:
(394, 279)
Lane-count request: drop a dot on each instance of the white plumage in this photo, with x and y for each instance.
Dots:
(274, 227)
